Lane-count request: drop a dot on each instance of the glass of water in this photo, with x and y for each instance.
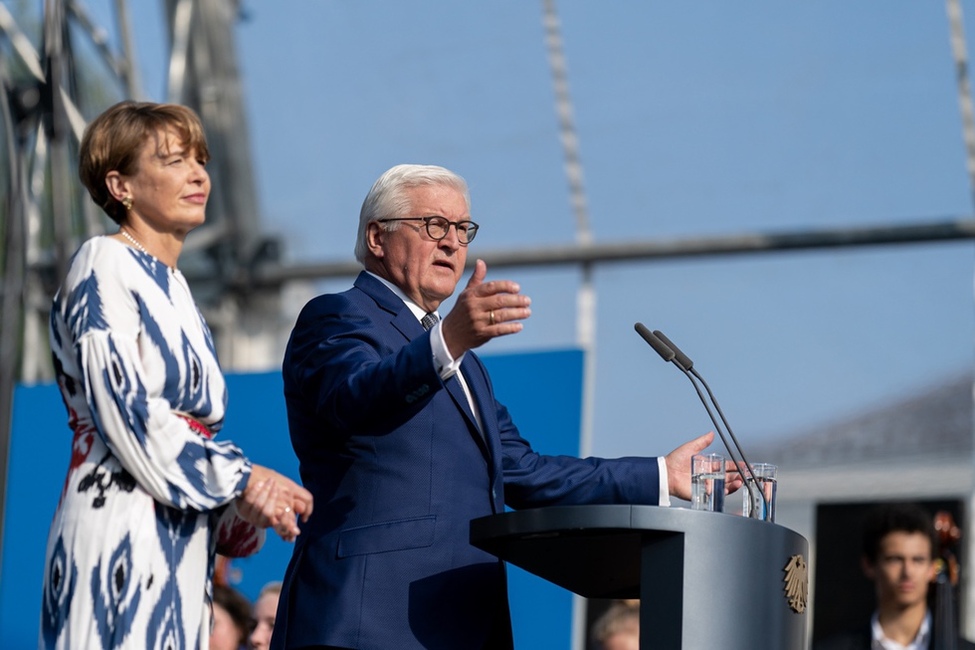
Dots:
(759, 494)
(707, 482)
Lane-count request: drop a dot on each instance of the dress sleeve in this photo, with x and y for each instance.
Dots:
(167, 458)
(128, 337)
(236, 537)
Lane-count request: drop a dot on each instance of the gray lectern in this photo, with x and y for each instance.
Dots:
(704, 579)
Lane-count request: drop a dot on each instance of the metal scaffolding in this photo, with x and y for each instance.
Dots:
(47, 213)
(235, 271)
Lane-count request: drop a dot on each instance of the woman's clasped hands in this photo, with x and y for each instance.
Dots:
(272, 500)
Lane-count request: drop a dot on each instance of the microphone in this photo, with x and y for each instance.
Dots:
(666, 353)
(689, 365)
(681, 359)
(670, 353)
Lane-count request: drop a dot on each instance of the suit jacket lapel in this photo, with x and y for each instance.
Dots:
(490, 438)
(457, 392)
(403, 320)
(480, 393)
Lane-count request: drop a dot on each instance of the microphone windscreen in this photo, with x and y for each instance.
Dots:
(659, 346)
(682, 358)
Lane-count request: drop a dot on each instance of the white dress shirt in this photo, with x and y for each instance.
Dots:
(881, 642)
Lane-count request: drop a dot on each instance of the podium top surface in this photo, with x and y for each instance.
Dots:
(597, 550)
(614, 517)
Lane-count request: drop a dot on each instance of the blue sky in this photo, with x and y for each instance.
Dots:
(716, 119)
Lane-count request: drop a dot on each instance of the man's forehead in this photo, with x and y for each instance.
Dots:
(435, 195)
(902, 540)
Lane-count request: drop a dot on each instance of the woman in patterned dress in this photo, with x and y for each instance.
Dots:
(150, 497)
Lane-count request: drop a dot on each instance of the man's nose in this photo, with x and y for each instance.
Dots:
(452, 239)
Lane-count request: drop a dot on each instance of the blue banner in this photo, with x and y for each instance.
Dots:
(542, 390)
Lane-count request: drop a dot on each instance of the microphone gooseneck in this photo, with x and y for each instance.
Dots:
(670, 353)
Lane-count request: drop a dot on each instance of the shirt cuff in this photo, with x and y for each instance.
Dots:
(664, 490)
(445, 364)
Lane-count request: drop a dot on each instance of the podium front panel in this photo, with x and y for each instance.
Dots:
(705, 579)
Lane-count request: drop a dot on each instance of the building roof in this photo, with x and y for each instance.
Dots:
(920, 446)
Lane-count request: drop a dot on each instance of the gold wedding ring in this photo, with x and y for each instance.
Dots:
(491, 314)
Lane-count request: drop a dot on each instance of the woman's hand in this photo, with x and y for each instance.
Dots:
(272, 500)
(258, 501)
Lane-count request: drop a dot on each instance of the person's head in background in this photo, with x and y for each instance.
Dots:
(265, 611)
(231, 619)
(619, 627)
(898, 555)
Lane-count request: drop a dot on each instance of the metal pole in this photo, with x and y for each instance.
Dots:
(130, 71)
(586, 295)
(57, 66)
(13, 289)
(961, 229)
(956, 23)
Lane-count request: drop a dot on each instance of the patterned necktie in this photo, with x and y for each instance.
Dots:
(429, 320)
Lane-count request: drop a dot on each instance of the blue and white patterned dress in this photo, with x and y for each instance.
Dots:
(148, 499)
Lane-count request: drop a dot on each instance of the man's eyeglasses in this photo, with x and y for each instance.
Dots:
(438, 227)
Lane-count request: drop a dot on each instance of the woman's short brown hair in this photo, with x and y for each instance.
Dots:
(114, 140)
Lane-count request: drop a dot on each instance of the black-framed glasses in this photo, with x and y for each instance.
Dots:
(438, 227)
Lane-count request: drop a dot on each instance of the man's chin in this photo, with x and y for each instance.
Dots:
(909, 599)
(442, 288)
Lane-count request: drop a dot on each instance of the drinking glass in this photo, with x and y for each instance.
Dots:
(707, 482)
(759, 494)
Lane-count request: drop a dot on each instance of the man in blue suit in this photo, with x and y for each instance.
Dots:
(402, 443)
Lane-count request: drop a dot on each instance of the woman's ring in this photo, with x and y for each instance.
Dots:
(287, 509)
(491, 314)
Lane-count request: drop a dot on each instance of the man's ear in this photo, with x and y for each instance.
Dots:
(117, 186)
(868, 567)
(375, 236)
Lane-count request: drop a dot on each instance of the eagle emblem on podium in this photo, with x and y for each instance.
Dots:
(796, 583)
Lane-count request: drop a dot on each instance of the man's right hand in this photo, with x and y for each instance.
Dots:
(483, 311)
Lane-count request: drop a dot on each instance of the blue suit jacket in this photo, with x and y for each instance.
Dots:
(398, 468)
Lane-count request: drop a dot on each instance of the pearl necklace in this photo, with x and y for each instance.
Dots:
(135, 242)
